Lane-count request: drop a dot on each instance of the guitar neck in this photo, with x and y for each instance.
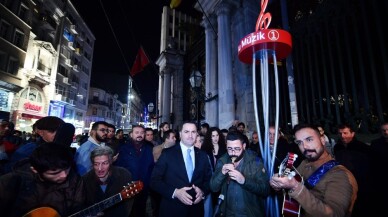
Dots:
(98, 207)
(291, 207)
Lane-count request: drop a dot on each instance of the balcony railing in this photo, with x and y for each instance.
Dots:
(77, 51)
(98, 102)
(47, 22)
(44, 70)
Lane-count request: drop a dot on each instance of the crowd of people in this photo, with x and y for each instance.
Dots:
(204, 171)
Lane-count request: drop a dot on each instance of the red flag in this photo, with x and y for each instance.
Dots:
(140, 62)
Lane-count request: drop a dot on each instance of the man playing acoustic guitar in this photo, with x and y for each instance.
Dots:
(106, 180)
(328, 189)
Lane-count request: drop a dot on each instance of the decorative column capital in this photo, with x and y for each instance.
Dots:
(167, 70)
(208, 23)
(223, 8)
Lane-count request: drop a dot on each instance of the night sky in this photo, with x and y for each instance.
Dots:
(134, 23)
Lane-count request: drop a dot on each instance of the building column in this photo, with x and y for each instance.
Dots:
(243, 75)
(225, 76)
(166, 95)
(159, 104)
(177, 87)
(211, 83)
(248, 22)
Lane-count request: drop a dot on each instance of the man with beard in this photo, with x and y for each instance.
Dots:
(111, 139)
(169, 139)
(326, 188)
(106, 180)
(136, 156)
(242, 179)
(97, 138)
(46, 179)
(356, 157)
(149, 136)
(181, 176)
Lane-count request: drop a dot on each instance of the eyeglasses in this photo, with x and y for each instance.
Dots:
(236, 149)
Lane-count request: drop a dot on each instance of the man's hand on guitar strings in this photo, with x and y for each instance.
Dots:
(282, 182)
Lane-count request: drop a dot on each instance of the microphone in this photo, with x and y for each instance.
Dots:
(220, 199)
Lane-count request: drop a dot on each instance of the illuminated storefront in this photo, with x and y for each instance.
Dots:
(30, 108)
(5, 104)
(68, 113)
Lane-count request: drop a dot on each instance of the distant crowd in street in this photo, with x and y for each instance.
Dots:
(194, 171)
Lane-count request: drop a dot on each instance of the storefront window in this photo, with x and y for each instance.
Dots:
(32, 94)
(68, 115)
(4, 105)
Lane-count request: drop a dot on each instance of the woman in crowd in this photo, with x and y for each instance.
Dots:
(214, 145)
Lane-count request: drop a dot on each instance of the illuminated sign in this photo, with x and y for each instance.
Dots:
(263, 38)
(264, 19)
(32, 107)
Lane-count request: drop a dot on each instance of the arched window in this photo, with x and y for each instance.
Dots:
(32, 94)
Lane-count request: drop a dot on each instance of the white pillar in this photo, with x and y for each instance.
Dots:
(166, 95)
(225, 76)
(242, 74)
(211, 82)
(159, 104)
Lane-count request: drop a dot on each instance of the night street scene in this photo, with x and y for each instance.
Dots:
(187, 108)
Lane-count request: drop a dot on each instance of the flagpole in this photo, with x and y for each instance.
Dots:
(129, 102)
(157, 110)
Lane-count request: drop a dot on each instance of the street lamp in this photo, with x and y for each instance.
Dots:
(195, 82)
(150, 110)
(150, 107)
(129, 107)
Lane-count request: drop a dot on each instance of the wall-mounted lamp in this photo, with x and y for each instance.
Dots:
(210, 97)
(195, 79)
(151, 107)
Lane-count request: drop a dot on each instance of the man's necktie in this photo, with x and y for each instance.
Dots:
(189, 164)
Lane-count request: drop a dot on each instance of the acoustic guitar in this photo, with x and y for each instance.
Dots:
(129, 191)
(291, 207)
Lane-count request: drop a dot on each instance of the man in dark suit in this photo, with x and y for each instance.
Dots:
(181, 175)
